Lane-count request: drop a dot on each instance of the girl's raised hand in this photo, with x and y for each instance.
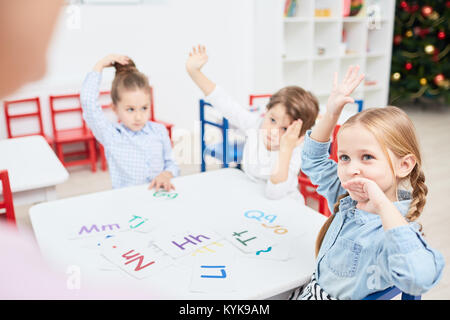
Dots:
(340, 94)
(109, 61)
(197, 58)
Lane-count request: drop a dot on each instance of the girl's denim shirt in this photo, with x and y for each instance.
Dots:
(358, 257)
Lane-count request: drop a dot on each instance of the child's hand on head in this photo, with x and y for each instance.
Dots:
(340, 94)
(162, 181)
(291, 138)
(197, 58)
(110, 60)
(368, 194)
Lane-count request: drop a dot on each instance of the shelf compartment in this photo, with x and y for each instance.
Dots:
(376, 38)
(332, 6)
(354, 36)
(305, 9)
(376, 70)
(298, 39)
(322, 76)
(296, 74)
(327, 39)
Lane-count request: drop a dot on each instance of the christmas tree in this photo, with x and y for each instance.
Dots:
(420, 51)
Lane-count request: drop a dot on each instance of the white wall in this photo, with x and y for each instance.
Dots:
(157, 35)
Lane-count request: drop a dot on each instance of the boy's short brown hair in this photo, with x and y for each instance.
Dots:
(299, 104)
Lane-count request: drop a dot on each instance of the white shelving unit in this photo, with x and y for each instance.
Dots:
(305, 50)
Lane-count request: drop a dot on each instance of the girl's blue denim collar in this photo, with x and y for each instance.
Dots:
(347, 206)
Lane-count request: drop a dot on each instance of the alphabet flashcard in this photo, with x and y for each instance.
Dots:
(138, 262)
(247, 238)
(213, 274)
(180, 244)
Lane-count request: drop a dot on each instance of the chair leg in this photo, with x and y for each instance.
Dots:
(92, 155)
(323, 207)
(11, 216)
(59, 153)
(102, 156)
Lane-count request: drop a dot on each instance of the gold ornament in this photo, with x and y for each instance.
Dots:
(409, 34)
(429, 49)
(423, 81)
(444, 84)
(434, 15)
(396, 76)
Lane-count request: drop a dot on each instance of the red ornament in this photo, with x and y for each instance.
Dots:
(441, 35)
(421, 32)
(408, 66)
(414, 8)
(438, 78)
(404, 5)
(435, 57)
(426, 11)
(398, 39)
(447, 4)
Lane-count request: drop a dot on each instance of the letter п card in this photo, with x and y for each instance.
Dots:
(213, 274)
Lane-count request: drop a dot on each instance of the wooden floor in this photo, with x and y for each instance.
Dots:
(433, 129)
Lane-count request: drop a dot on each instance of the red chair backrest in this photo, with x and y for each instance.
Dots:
(334, 146)
(54, 111)
(253, 97)
(105, 93)
(152, 105)
(7, 202)
(11, 115)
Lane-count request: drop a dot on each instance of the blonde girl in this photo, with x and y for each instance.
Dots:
(372, 241)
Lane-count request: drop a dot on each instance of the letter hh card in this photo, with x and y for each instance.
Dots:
(182, 243)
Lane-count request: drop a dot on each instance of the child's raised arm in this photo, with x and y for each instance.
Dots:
(109, 61)
(197, 59)
(92, 112)
(339, 97)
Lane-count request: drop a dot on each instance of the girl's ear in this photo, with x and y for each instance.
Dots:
(405, 165)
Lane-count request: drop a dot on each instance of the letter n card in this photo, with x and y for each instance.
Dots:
(137, 262)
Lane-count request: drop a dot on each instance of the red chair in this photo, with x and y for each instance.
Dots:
(7, 203)
(308, 190)
(152, 115)
(73, 135)
(252, 98)
(333, 148)
(10, 116)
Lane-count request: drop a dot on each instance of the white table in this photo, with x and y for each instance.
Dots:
(214, 199)
(34, 169)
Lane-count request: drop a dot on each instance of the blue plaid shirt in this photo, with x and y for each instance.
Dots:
(133, 157)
